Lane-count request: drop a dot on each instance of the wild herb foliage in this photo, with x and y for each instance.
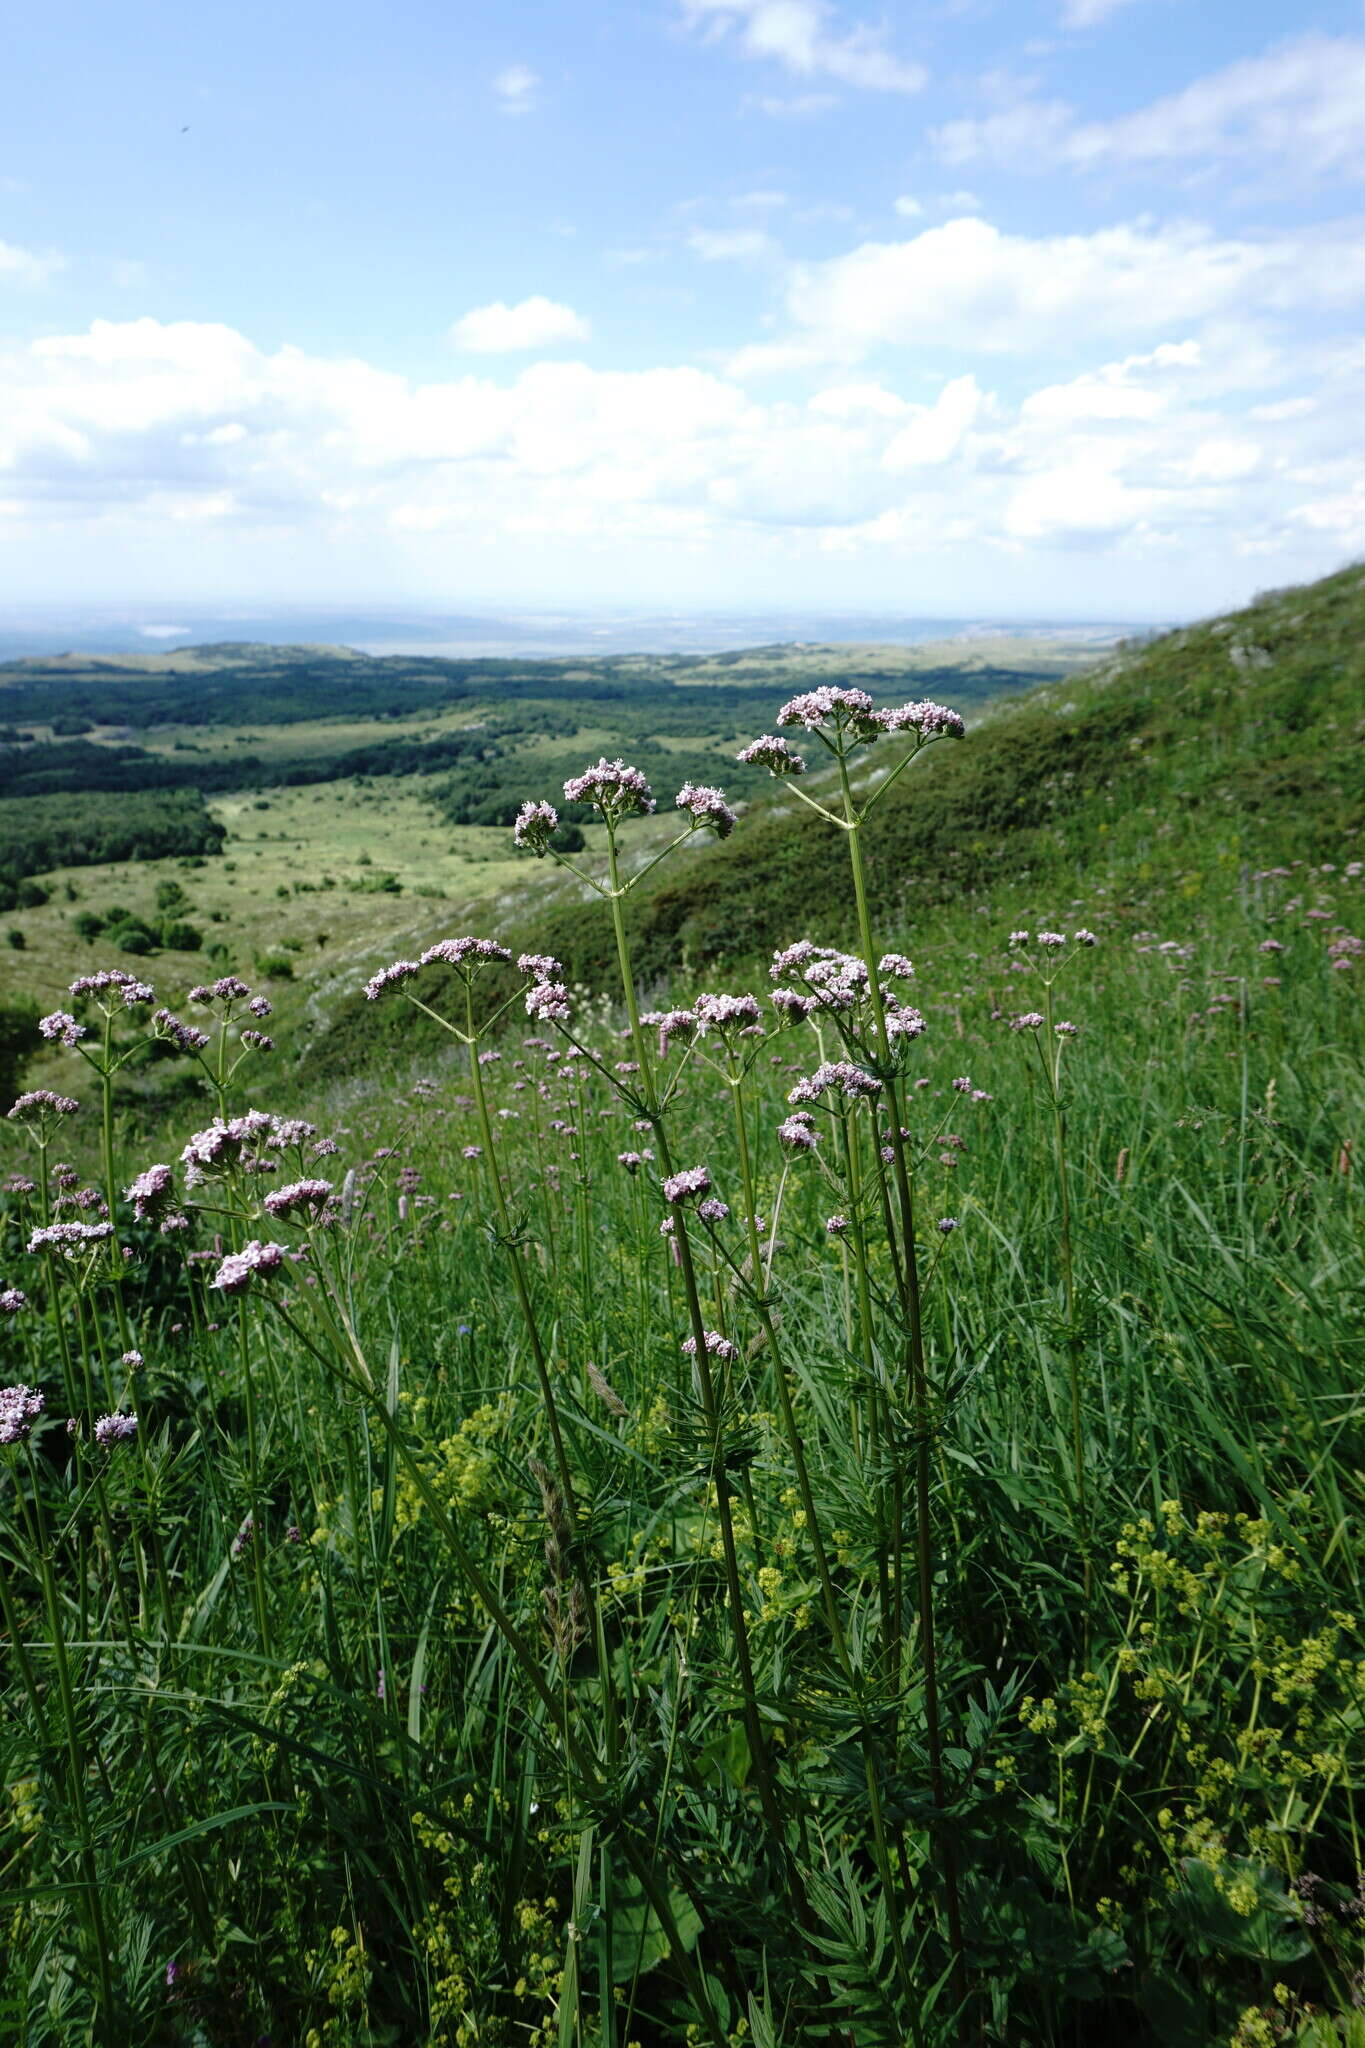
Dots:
(824, 1513)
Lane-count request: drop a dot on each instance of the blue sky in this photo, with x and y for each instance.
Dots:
(983, 306)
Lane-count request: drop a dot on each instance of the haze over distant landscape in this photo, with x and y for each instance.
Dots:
(1041, 311)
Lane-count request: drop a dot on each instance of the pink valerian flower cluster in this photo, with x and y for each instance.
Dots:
(535, 825)
(716, 1346)
(1052, 942)
(772, 752)
(539, 966)
(229, 990)
(1028, 1020)
(549, 1002)
(853, 713)
(115, 1429)
(612, 788)
(39, 1104)
(70, 1239)
(309, 1200)
(828, 705)
(840, 1077)
(258, 1041)
(798, 1132)
(633, 1161)
(1067, 1030)
(838, 1226)
(239, 1269)
(707, 808)
(466, 955)
(1345, 951)
(12, 1299)
(712, 1211)
(110, 981)
(292, 1133)
(687, 1186)
(152, 1194)
(838, 984)
(61, 1028)
(20, 1408)
(188, 1037)
(671, 1024)
(233, 1146)
(730, 1016)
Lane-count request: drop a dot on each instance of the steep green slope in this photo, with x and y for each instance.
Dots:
(1224, 747)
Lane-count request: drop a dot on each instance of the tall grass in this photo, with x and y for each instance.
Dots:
(795, 1516)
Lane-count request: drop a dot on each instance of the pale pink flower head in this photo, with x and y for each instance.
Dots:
(613, 789)
(20, 1408)
(929, 721)
(707, 808)
(1028, 1020)
(535, 825)
(838, 1077)
(114, 983)
(152, 1194)
(61, 1028)
(305, 1201)
(239, 1269)
(539, 966)
(115, 1429)
(687, 1186)
(716, 1346)
(772, 752)
(548, 1002)
(39, 1106)
(798, 1132)
(829, 707)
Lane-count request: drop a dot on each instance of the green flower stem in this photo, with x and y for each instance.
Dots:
(919, 1394)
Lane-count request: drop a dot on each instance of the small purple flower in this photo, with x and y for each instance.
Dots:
(133, 1360)
(1084, 938)
(716, 1346)
(1052, 940)
(837, 1226)
(707, 808)
(633, 1161)
(131, 991)
(672, 1024)
(115, 1429)
(712, 1211)
(539, 966)
(70, 1239)
(188, 1037)
(1065, 1030)
(245, 1536)
(1018, 938)
(897, 966)
(963, 1084)
(687, 1186)
(830, 705)
(389, 978)
(798, 1132)
(239, 1269)
(258, 1041)
(259, 1006)
(152, 1193)
(536, 824)
(306, 1199)
(772, 752)
(614, 789)
(20, 1408)
(838, 1075)
(929, 720)
(12, 1299)
(1029, 1020)
(39, 1104)
(947, 1224)
(61, 1027)
(548, 1003)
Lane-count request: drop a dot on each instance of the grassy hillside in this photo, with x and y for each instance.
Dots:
(1164, 774)
(914, 1594)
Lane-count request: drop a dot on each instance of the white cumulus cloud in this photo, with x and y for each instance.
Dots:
(532, 323)
(802, 37)
(26, 266)
(1300, 105)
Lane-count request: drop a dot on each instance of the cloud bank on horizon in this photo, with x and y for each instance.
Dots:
(713, 320)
